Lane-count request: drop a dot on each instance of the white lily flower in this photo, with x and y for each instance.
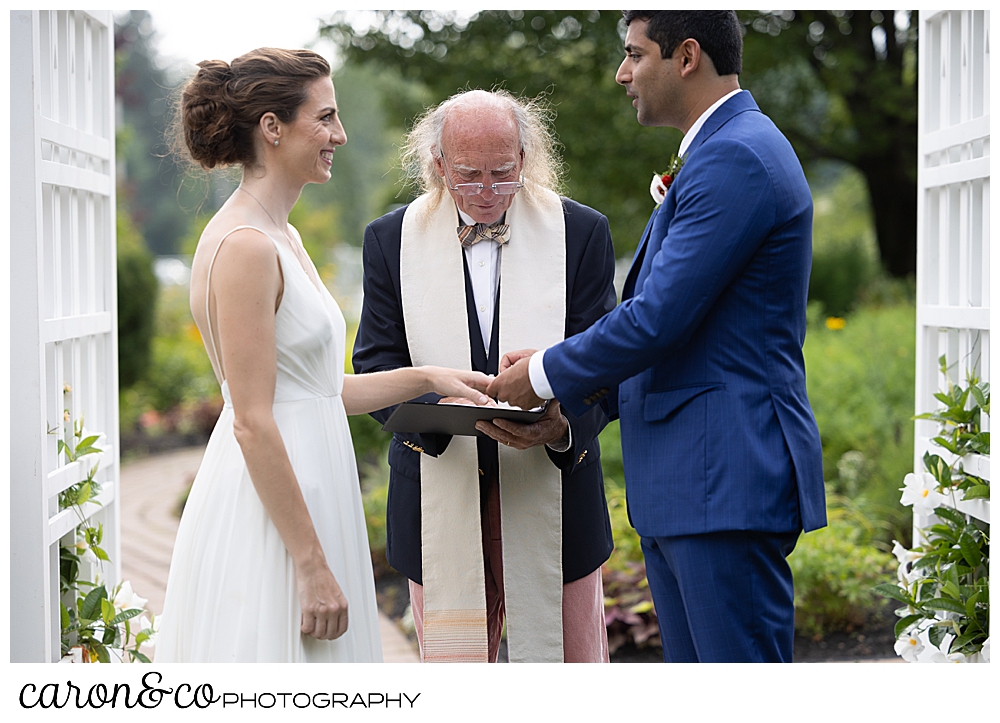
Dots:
(904, 555)
(909, 646)
(949, 658)
(920, 490)
(128, 600)
(985, 652)
(657, 190)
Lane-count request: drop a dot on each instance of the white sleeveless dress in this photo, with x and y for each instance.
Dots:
(231, 593)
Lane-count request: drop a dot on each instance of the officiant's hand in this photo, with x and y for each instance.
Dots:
(513, 385)
(551, 427)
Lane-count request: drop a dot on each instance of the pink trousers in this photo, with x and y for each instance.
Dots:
(585, 637)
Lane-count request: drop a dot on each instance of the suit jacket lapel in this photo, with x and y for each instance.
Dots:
(739, 103)
(628, 290)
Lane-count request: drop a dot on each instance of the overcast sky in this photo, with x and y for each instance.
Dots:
(187, 35)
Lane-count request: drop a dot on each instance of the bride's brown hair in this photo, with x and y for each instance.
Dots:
(222, 104)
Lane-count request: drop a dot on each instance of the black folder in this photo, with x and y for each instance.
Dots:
(454, 419)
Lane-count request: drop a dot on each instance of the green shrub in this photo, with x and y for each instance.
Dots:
(180, 374)
(845, 255)
(860, 379)
(835, 570)
(137, 292)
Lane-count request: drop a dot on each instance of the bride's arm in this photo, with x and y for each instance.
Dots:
(365, 393)
(245, 312)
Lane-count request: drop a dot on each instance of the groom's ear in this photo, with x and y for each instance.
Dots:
(688, 57)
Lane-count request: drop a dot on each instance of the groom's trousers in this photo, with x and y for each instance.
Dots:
(723, 597)
(585, 637)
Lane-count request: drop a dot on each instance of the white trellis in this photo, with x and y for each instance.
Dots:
(64, 354)
(953, 224)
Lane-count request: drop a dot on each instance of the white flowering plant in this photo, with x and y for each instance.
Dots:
(943, 582)
(95, 625)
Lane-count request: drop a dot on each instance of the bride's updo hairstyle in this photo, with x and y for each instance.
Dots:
(221, 106)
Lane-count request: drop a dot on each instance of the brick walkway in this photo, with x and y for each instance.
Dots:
(150, 490)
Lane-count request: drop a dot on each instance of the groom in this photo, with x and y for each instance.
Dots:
(722, 454)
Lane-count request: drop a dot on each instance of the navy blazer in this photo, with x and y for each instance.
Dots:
(717, 431)
(381, 344)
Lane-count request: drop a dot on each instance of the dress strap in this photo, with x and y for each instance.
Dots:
(208, 290)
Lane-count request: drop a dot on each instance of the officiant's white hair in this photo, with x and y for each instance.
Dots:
(542, 165)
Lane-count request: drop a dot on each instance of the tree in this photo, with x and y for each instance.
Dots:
(148, 179)
(841, 85)
(569, 56)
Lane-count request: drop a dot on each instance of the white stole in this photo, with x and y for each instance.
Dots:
(532, 315)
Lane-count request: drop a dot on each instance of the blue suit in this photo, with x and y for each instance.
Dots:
(706, 354)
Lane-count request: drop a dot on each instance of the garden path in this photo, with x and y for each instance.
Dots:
(151, 488)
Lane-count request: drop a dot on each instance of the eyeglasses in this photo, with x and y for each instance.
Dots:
(506, 188)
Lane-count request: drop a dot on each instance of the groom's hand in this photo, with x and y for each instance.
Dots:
(513, 386)
(551, 427)
(512, 357)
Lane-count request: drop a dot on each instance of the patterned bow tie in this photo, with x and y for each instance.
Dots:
(471, 235)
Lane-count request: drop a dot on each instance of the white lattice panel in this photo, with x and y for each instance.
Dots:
(63, 304)
(953, 249)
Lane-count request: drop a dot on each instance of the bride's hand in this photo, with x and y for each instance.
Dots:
(458, 383)
(324, 607)
(465, 402)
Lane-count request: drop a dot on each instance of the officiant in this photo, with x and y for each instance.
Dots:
(487, 259)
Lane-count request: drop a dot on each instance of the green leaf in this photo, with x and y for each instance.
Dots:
(978, 395)
(107, 611)
(87, 442)
(126, 615)
(904, 624)
(64, 621)
(946, 443)
(970, 550)
(962, 640)
(943, 603)
(141, 638)
(101, 554)
(140, 656)
(978, 492)
(887, 589)
(91, 605)
(951, 590)
(83, 493)
(102, 653)
(951, 515)
(981, 443)
(110, 636)
(936, 634)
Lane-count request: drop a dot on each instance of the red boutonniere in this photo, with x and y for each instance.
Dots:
(662, 181)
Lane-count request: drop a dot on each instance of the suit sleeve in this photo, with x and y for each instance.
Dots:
(591, 294)
(381, 344)
(722, 215)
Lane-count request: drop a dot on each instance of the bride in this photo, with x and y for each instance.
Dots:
(271, 561)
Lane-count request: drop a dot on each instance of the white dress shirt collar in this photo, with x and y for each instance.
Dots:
(693, 130)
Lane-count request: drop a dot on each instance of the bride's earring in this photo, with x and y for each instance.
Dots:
(275, 141)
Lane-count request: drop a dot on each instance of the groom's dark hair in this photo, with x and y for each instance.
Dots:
(718, 32)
